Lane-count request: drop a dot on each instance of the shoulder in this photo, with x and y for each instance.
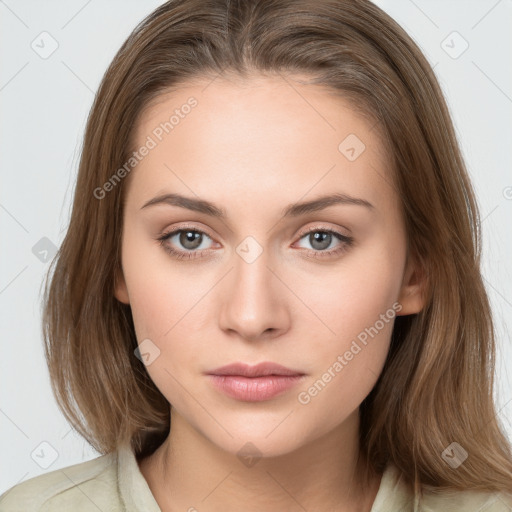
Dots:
(396, 495)
(466, 501)
(90, 485)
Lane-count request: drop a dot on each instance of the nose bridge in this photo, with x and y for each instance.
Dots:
(252, 302)
(252, 277)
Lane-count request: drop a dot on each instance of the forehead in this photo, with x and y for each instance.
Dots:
(258, 135)
(265, 103)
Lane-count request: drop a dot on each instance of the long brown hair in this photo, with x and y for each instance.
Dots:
(437, 383)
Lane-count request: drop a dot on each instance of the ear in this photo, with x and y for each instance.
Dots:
(412, 292)
(120, 288)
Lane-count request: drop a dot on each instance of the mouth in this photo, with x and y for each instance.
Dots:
(254, 383)
(260, 370)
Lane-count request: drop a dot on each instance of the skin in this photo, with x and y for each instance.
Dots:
(254, 146)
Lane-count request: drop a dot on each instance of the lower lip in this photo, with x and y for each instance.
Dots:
(254, 389)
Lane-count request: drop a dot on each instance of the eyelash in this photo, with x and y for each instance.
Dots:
(162, 239)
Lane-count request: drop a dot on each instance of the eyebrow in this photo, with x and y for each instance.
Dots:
(292, 210)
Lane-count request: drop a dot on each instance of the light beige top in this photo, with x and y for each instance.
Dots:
(113, 482)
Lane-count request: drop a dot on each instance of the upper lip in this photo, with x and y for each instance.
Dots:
(259, 370)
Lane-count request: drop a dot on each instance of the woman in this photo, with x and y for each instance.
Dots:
(269, 295)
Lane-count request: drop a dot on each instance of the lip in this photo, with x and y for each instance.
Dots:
(254, 383)
(259, 370)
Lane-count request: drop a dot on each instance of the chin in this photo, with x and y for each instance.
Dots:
(258, 439)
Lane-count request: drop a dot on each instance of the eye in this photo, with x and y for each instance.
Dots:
(321, 239)
(190, 239)
(192, 242)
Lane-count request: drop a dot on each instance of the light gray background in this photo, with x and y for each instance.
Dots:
(44, 105)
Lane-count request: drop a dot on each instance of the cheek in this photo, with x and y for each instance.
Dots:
(171, 306)
(165, 306)
(355, 309)
(351, 297)
(160, 289)
(161, 302)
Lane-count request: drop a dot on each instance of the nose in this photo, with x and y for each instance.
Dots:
(253, 300)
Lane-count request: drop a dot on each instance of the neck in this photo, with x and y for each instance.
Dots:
(189, 472)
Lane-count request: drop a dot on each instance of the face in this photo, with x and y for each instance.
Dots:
(252, 277)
